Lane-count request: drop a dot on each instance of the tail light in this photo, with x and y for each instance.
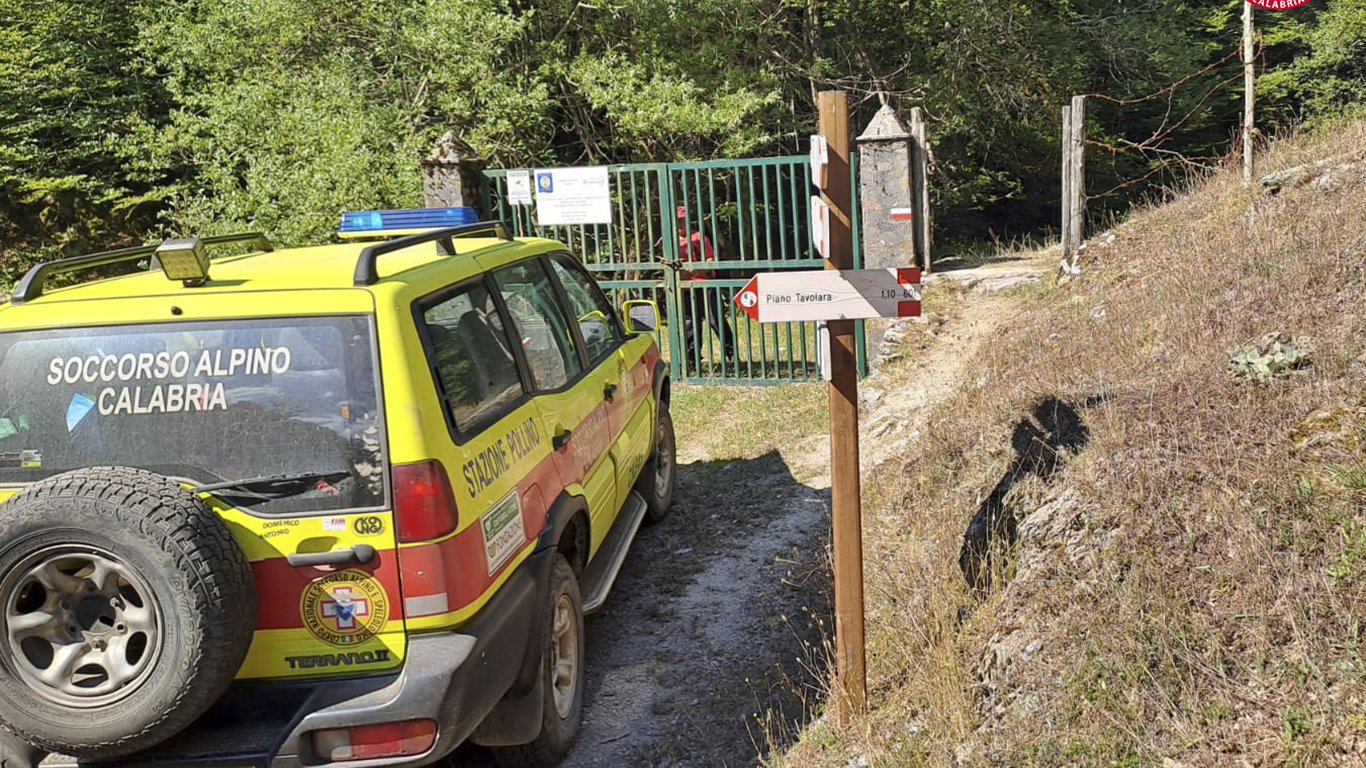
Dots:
(424, 504)
(372, 742)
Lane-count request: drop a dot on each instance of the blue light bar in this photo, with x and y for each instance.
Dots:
(406, 220)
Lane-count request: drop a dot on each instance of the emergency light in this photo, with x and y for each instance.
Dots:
(407, 220)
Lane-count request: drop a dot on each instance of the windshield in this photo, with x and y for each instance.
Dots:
(207, 402)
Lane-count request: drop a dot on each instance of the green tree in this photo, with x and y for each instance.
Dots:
(66, 102)
(198, 116)
(1321, 72)
(290, 111)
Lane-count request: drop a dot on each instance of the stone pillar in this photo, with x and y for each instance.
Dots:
(451, 175)
(884, 183)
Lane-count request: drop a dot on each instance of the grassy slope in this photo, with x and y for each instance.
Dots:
(1199, 593)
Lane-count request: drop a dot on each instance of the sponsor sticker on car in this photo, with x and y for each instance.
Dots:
(503, 531)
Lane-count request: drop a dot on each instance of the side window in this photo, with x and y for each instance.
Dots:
(592, 309)
(540, 323)
(475, 369)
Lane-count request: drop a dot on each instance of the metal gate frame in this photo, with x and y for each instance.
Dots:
(751, 210)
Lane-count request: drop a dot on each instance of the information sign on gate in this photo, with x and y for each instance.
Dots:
(573, 196)
(519, 187)
(845, 294)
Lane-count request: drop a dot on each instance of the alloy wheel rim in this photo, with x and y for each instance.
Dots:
(564, 677)
(79, 626)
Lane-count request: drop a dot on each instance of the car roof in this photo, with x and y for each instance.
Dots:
(295, 269)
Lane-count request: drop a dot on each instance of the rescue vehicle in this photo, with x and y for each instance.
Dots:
(333, 505)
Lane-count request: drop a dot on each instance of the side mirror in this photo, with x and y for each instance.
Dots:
(640, 316)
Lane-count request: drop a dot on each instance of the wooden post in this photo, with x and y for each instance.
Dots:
(1077, 173)
(1068, 245)
(920, 190)
(846, 508)
(1249, 94)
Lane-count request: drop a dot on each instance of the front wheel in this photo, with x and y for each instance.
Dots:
(562, 668)
(660, 473)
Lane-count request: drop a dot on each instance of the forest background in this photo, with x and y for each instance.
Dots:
(122, 120)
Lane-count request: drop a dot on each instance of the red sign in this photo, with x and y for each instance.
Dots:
(748, 298)
(1278, 5)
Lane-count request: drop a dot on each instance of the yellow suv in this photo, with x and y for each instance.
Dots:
(338, 505)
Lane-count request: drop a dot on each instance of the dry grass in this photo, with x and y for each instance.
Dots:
(1198, 590)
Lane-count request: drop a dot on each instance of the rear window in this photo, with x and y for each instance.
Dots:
(206, 402)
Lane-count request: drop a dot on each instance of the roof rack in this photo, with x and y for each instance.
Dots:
(367, 272)
(33, 282)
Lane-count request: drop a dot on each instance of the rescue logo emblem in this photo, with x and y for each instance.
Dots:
(345, 608)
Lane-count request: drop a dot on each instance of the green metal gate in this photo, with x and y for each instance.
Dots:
(756, 214)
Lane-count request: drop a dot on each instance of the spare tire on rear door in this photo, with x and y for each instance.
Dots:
(126, 609)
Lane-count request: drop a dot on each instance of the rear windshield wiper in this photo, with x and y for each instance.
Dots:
(271, 487)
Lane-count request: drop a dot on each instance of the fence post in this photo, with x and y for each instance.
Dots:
(451, 175)
(1078, 174)
(1066, 197)
(920, 188)
(1249, 95)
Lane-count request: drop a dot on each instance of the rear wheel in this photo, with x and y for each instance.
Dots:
(126, 609)
(562, 667)
(660, 473)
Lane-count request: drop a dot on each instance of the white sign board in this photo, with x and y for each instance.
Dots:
(820, 160)
(846, 294)
(573, 196)
(820, 226)
(519, 188)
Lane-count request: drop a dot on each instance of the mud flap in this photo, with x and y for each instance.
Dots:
(516, 718)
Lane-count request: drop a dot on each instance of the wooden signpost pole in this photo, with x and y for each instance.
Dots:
(846, 508)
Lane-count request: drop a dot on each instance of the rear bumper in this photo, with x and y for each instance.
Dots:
(454, 678)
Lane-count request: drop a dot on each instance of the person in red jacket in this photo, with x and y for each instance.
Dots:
(695, 248)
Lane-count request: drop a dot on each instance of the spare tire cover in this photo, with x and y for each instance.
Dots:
(126, 609)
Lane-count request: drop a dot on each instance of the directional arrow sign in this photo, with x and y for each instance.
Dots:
(846, 294)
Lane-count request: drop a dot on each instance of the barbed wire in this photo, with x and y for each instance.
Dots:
(1179, 160)
(1153, 143)
(1171, 87)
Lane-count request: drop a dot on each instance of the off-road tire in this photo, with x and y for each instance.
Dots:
(557, 730)
(199, 585)
(660, 473)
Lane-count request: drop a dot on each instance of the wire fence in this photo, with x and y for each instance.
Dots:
(1153, 153)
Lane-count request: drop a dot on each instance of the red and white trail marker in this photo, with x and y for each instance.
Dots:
(845, 294)
(902, 214)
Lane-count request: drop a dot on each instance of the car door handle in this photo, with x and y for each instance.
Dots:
(360, 554)
(609, 391)
(561, 440)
